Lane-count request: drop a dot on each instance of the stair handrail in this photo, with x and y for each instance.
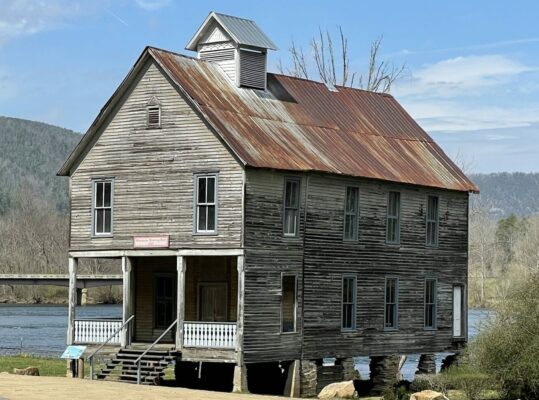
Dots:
(91, 356)
(137, 361)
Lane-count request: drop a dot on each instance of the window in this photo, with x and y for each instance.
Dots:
(206, 203)
(291, 207)
(153, 116)
(458, 311)
(351, 211)
(165, 300)
(393, 217)
(391, 303)
(102, 207)
(432, 220)
(288, 303)
(430, 303)
(348, 317)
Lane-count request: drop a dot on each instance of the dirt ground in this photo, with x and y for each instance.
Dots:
(16, 387)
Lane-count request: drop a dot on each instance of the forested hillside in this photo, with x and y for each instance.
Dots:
(30, 154)
(505, 193)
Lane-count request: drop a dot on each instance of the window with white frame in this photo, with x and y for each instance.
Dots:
(289, 303)
(153, 114)
(430, 303)
(291, 207)
(206, 203)
(351, 213)
(102, 213)
(391, 304)
(393, 218)
(432, 220)
(348, 316)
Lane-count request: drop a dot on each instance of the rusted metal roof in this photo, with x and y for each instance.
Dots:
(300, 125)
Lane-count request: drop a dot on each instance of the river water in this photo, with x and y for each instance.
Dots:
(41, 330)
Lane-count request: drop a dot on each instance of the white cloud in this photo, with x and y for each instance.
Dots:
(26, 17)
(151, 5)
(461, 76)
(457, 116)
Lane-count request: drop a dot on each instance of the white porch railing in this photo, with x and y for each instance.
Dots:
(221, 335)
(97, 330)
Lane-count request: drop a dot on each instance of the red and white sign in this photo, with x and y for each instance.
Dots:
(151, 242)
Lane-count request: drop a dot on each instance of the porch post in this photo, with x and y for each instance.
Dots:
(239, 320)
(181, 267)
(127, 300)
(72, 300)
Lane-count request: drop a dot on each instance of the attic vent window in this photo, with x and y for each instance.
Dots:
(154, 117)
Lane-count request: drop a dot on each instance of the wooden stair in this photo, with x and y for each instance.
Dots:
(122, 366)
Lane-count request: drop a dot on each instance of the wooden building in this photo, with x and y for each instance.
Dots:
(265, 219)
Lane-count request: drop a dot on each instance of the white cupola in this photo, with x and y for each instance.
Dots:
(237, 45)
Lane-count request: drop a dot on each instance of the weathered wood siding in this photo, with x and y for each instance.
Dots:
(327, 257)
(268, 256)
(153, 171)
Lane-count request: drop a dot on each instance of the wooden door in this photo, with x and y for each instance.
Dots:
(213, 302)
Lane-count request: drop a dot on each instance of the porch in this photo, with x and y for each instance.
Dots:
(190, 302)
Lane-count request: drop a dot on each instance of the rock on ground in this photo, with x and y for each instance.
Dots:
(428, 395)
(33, 371)
(341, 390)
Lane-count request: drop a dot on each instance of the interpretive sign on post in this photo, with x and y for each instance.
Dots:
(73, 352)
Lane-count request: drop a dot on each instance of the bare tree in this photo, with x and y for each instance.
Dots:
(332, 64)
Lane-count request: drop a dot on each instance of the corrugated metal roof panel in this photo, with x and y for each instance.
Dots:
(299, 124)
(243, 31)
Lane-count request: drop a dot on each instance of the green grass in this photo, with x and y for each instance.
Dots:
(47, 366)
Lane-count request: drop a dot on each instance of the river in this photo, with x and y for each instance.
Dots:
(41, 330)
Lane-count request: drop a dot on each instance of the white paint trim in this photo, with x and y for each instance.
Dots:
(156, 253)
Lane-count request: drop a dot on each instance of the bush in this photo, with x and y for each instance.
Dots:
(468, 379)
(509, 349)
(436, 382)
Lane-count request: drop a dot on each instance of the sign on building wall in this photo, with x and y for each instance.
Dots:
(151, 242)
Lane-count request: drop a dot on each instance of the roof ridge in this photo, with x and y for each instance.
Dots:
(337, 86)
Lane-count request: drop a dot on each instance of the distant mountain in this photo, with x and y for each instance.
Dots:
(30, 155)
(505, 193)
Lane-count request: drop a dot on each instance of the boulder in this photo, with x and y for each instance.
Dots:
(428, 395)
(340, 390)
(26, 371)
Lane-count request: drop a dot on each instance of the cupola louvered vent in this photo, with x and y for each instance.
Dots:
(237, 45)
(154, 117)
(252, 69)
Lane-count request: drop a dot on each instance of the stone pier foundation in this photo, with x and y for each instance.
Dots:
(349, 369)
(427, 364)
(239, 384)
(384, 371)
(308, 378)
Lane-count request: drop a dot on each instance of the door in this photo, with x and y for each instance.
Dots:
(457, 311)
(165, 300)
(213, 302)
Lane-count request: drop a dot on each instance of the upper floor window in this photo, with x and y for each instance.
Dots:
(153, 116)
(430, 303)
(432, 220)
(351, 213)
(291, 207)
(348, 316)
(102, 212)
(393, 218)
(206, 203)
(391, 303)
(289, 303)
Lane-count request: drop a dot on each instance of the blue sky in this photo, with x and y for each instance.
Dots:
(472, 67)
